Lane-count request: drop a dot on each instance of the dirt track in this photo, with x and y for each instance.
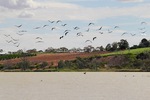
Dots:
(55, 58)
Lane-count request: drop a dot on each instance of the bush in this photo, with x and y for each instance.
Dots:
(143, 55)
(61, 64)
(43, 64)
(146, 66)
(24, 64)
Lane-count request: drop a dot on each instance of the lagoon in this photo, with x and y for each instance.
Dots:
(74, 86)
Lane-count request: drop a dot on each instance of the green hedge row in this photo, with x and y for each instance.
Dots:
(13, 56)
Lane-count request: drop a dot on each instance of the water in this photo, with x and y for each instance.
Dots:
(75, 86)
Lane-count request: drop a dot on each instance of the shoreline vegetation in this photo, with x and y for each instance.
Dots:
(133, 59)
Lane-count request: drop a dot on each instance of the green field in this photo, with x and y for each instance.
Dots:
(129, 51)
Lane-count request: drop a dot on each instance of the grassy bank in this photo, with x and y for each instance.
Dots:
(124, 52)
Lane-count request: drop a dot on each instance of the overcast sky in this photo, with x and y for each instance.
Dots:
(132, 17)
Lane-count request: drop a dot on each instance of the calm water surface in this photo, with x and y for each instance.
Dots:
(75, 86)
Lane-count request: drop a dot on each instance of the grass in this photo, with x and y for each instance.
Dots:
(124, 52)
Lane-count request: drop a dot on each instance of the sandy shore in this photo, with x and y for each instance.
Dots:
(75, 86)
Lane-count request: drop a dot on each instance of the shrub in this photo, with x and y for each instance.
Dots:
(146, 66)
(24, 64)
(61, 64)
(143, 55)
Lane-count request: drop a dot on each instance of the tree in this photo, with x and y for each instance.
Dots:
(114, 46)
(20, 51)
(123, 44)
(50, 50)
(134, 47)
(63, 49)
(101, 48)
(108, 47)
(32, 51)
(144, 43)
(81, 63)
(61, 64)
(89, 48)
(24, 64)
(1, 50)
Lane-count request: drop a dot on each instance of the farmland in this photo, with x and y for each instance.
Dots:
(125, 60)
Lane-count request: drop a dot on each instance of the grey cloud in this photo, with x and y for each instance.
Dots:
(16, 4)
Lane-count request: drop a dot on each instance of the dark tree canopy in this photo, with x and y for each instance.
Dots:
(144, 43)
(123, 44)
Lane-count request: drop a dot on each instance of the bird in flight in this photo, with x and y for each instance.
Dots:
(109, 31)
(53, 28)
(23, 31)
(143, 32)
(143, 23)
(39, 41)
(14, 39)
(51, 21)
(66, 33)
(132, 34)
(142, 28)
(61, 37)
(79, 34)
(45, 25)
(76, 28)
(90, 24)
(20, 34)
(17, 45)
(116, 27)
(18, 26)
(101, 32)
(124, 33)
(88, 41)
(36, 27)
(94, 38)
(9, 41)
(88, 30)
(100, 28)
(6, 35)
(38, 38)
(63, 24)
(58, 21)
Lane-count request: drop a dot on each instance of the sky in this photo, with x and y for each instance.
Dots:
(22, 23)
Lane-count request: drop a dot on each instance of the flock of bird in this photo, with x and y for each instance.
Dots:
(79, 33)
